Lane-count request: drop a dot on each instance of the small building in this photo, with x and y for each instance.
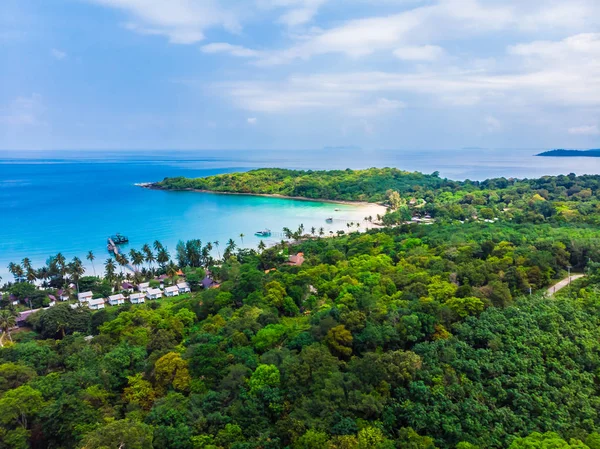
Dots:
(144, 287)
(207, 282)
(96, 304)
(127, 287)
(172, 291)
(116, 300)
(183, 287)
(137, 298)
(154, 293)
(63, 295)
(296, 260)
(85, 296)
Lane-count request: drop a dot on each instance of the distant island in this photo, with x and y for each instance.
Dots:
(570, 153)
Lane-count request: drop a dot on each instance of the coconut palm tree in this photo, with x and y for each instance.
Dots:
(321, 232)
(157, 246)
(148, 256)
(288, 233)
(172, 271)
(313, 230)
(163, 256)
(216, 242)
(109, 268)
(261, 246)
(90, 256)
(76, 270)
(137, 258)
(242, 237)
(44, 274)
(31, 274)
(8, 320)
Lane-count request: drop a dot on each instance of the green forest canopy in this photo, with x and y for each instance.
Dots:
(405, 336)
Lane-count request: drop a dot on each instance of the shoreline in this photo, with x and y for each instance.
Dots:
(152, 186)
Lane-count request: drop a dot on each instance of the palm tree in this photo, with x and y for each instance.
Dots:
(172, 271)
(313, 230)
(26, 264)
(163, 256)
(44, 274)
(137, 258)
(110, 267)
(321, 232)
(301, 228)
(157, 246)
(8, 320)
(288, 233)
(261, 246)
(217, 246)
(148, 255)
(242, 237)
(90, 256)
(76, 270)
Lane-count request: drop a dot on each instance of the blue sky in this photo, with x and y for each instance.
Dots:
(299, 74)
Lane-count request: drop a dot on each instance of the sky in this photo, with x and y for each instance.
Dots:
(299, 74)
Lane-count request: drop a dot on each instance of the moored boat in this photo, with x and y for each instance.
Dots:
(263, 233)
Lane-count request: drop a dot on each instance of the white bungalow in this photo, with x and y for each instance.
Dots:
(96, 304)
(137, 298)
(85, 296)
(154, 293)
(144, 287)
(172, 291)
(183, 287)
(116, 300)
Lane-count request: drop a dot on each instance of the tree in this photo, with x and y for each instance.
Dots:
(62, 320)
(120, 434)
(339, 339)
(172, 370)
(8, 321)
(90, 256)
(109, 269)
(265, 376)
(242, 238)
(548, 440)
(19, 405)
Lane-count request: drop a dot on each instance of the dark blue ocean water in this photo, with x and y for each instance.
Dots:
(71, 201)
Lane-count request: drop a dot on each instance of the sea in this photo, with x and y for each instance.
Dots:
(71, 201)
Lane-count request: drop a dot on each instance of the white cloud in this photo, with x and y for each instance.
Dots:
(234, 50)
(182, 21)
(419, 53)
(23, 111)
(585, 130)
(380, 106)
(492, 124)
(58, 54)
(252, 120)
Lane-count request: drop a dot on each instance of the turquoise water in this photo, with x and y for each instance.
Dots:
(70, 202)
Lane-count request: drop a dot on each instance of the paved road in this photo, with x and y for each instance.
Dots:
(562, 284)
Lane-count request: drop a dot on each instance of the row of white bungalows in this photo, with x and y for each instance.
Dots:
(178, 289)
(144, 287)
(116, 300)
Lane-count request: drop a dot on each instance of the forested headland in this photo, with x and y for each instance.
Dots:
(407, 336)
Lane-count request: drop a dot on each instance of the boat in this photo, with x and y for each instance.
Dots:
(263, 233)
(118, 239)
(329, 220)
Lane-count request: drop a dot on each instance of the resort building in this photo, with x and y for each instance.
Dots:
(154, 293)
(296, 260)
(127, 287)
(207, 282)
(183, 287)
(84, 297)
(96, 304)
(172, 291)
(137, 298)
(116, 300)
(63, 295)
(144, 287)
